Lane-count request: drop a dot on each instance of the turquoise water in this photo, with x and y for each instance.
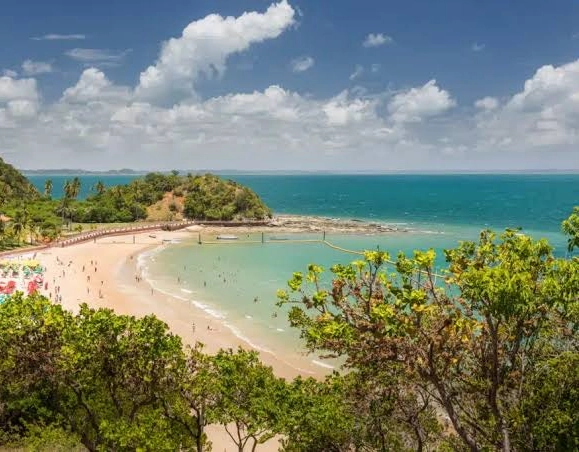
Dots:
(536, 201)
(236, 283)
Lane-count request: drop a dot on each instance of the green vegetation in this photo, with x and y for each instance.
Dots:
(210, 198)
(170, 197)
(13, 185)
(484, 359)
(31, 217)
(492, 351)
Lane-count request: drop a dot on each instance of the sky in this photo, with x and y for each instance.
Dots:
(324, 85)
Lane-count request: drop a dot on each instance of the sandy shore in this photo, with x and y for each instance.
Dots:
(102, 273)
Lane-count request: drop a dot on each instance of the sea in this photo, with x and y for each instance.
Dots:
(235, 283)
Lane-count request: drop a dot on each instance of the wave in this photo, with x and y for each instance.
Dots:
(247, 340)
(321, 364)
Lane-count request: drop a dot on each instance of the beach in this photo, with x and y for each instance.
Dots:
(104, 273)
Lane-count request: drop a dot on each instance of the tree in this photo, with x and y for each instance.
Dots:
(550, 406)
(100, 187)
(48, 188)
(75, 188)
(31, 337)
(251, 398)
(116, 370)
(198, 395)
(101, 376)
(470, 346)
(317, 416)
(570, 228)
(21, 224)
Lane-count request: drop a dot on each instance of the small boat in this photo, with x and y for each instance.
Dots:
(227, 237)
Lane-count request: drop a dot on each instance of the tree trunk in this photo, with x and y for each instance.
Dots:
(199, 437)
(506, 437)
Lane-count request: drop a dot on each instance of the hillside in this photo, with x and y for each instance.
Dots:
(212, 198)
(160, 197)
(14, 186)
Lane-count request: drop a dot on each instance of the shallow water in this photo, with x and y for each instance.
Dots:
(236, 282)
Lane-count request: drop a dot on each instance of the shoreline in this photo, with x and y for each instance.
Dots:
(113, 277)
(102, 274)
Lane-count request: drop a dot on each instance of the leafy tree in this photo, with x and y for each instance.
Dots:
(549, 408)
(115, 370)
(570, 227)
(198, 396)
(471, 345)
(317, 416)
(251, 398)
(103, 377)
(30, 343)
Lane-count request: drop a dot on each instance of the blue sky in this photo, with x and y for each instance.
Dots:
(371, 101)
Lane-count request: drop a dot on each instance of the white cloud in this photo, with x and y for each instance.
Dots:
(203, 48)
(93, 85)
(13, 89)
(96, 55)
(30, 67)
(487, 103)
(342, 110)
(476, 47)
(22, 108)
(375, 68)
(358, 71)
(302, 64)
(59, 37)
(416, 104)
(10, 73)
(376, 40)
(99, 124)
(545, 113)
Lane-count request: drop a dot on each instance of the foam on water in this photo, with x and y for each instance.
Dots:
(321, 364)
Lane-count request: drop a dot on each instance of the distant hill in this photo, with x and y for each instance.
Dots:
(14, 186)
(80, 172)
(159, 197)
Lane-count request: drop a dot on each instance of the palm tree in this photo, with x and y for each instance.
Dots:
(48, 188)
(20, 224)
(75, 188)
(99, 187)
(66, 198)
